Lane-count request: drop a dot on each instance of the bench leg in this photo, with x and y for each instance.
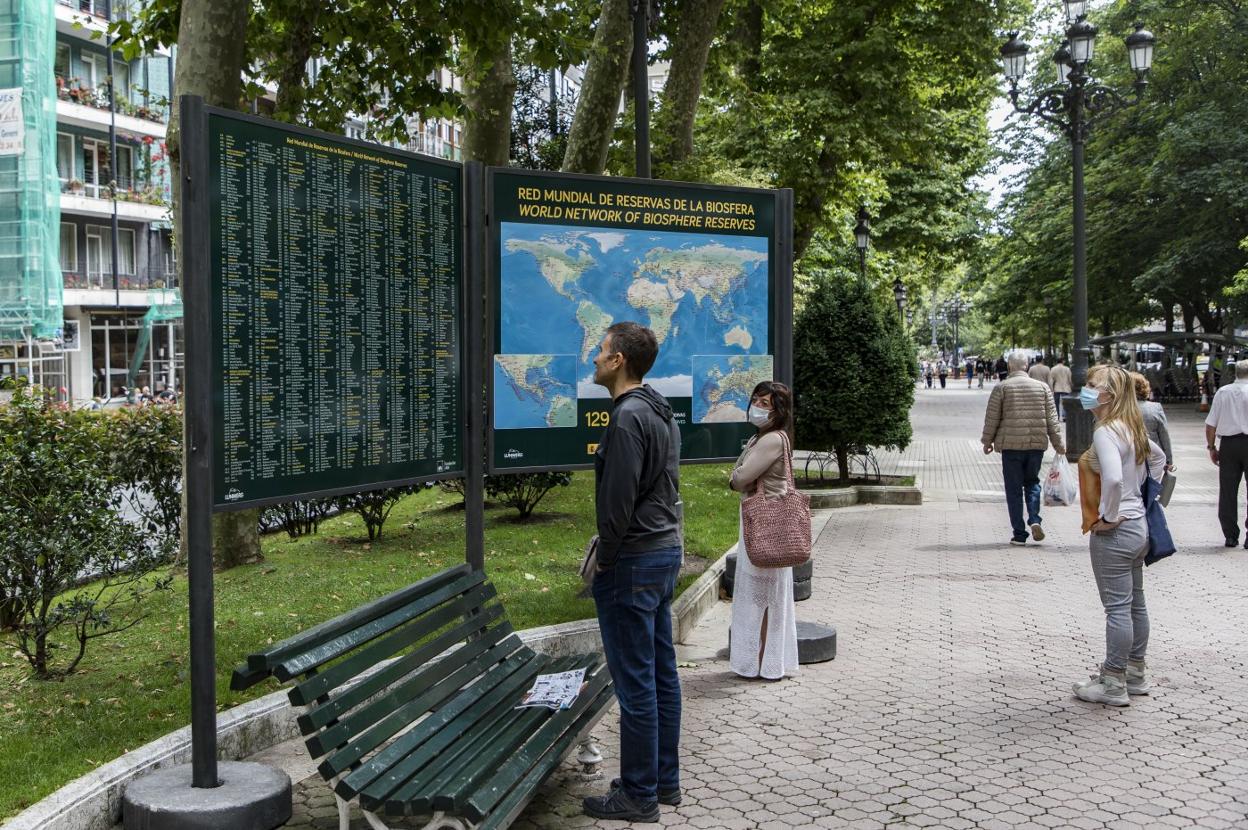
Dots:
(589, 756)
(344, 813)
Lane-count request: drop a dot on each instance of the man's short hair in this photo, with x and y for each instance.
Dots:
(1241, 369)
(637, 344)
(1017, 362)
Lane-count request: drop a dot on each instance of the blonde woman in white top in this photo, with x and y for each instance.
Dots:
(764, 622)
(1119, 538)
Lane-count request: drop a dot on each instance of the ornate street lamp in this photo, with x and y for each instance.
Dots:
(862, 238)
(899, 295)
(1074, 105)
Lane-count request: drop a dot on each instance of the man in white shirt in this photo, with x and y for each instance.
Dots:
(1228, 424)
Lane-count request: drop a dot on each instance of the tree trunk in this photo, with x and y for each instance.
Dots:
(748, 34)
(842, 463)
(679, 103)
(211, 48)
(489, 93)
(599, 101)
(292, 82)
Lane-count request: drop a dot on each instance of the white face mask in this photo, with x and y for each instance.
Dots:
(759, 416)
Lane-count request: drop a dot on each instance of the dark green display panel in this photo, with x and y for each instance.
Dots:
(571, 254)
(336, 309)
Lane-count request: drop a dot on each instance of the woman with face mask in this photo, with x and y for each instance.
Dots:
(1122, 455)
(764, 624)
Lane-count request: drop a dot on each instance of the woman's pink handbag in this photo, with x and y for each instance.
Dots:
(777, 530)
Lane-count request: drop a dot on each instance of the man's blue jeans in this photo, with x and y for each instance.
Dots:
(634, 601)
(1021, 469)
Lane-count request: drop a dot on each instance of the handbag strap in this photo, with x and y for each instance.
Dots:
(788, 464)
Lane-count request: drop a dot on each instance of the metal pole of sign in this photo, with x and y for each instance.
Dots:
(641, 86)
(474, 372)
(196, 292)
(784, 287)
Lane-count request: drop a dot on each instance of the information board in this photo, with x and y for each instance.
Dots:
(336, 307)
(573, 254)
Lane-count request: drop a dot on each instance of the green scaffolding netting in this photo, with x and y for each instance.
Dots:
(30, 273)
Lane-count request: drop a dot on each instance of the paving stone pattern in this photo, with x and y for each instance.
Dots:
(949, 703)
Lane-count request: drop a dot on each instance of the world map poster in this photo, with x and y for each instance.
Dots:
(702, 284)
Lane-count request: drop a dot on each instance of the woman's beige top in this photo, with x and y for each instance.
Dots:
(762, 457)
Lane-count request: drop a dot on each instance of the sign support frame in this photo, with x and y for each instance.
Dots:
(474, 340)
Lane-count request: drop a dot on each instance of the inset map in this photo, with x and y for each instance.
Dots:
(722, 385)
(534, 391)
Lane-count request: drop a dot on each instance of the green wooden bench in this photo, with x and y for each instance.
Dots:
(410, 704)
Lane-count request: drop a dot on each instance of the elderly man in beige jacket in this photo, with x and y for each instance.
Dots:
(1020, 423)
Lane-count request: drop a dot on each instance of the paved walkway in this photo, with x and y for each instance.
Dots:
(949, 704)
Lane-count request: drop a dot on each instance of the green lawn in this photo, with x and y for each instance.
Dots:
(132, 688)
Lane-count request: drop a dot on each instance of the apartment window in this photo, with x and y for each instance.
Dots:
(121, 79)
(100, 255)
(61, 67)
(69, 246)
(64, 156)
(125, 167)
(125, 251)
(92, 69)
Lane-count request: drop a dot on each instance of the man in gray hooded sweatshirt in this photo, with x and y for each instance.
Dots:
(636, 492)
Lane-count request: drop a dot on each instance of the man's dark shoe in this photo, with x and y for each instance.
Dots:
(1234, 543)
(670, 798)
(618, 806)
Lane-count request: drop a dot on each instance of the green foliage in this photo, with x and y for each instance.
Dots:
(374, 506)
(297, 518)
(853, 370)
(524, 491)
(146, 453)
(539, 137)
(60, 522)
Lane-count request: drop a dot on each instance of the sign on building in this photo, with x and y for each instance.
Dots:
(12, 125)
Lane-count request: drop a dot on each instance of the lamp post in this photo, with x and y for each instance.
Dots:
(1048, 307)
(954, 310)
(899, 296)
(1074, 105)
(862, 238)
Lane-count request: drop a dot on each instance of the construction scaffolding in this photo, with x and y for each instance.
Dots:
(30, 274)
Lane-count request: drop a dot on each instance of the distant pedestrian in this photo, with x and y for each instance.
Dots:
(637, 500)
(1155, 424)
(1040, 372)
(1020, 423)
(764, 623)
(942, 369)
(981, 369)
(928, 373)
(1060, 381)
(970, 372)
(1228, 421)
(1119, 533)
(1002, 368)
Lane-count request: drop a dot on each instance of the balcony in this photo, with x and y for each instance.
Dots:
(136, 201)
(85, 106)
(153, 287)
(81, 18)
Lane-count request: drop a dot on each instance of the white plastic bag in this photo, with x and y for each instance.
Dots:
(1060, 487)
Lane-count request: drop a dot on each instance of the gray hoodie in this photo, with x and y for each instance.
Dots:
(637, 478)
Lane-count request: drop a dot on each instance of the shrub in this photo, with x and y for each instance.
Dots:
(523, 491)
(374, 506)
(853, 371)
(297, 518)
(146, 444)
(61, 524)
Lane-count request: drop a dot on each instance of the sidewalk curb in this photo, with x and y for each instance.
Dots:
(867, 494)
(93, 802)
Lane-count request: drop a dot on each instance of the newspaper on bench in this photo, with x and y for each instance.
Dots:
(554, 691)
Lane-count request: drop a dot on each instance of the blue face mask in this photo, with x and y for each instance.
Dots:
(1089, 397)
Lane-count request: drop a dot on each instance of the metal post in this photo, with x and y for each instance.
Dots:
(784, 287)
(641, 86)
(198, 316)
(933, 316)
(112, 158)
(862, 265)
(474, 366)
(1079, 366)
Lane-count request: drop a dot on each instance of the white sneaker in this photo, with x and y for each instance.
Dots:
(1037, 532)
(1137, 681)
(1103, 688)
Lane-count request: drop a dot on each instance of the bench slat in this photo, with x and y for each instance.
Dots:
(304, 640)
(419, 693)
(480, 758)
(481, 797)
(296, 664)
(510, 808)
(411, 751)
(355, 665)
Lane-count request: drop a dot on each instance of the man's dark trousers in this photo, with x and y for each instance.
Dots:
(634, 602)
(1021, 470)
(1232, 467)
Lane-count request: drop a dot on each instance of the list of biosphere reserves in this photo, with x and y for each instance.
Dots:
(572, 255)
(335, 270)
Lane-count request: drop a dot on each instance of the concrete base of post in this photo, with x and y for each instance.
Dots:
(815, 643)
(251, 797)
(1079, 424)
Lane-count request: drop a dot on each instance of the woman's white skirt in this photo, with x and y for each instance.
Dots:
(757, 592)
